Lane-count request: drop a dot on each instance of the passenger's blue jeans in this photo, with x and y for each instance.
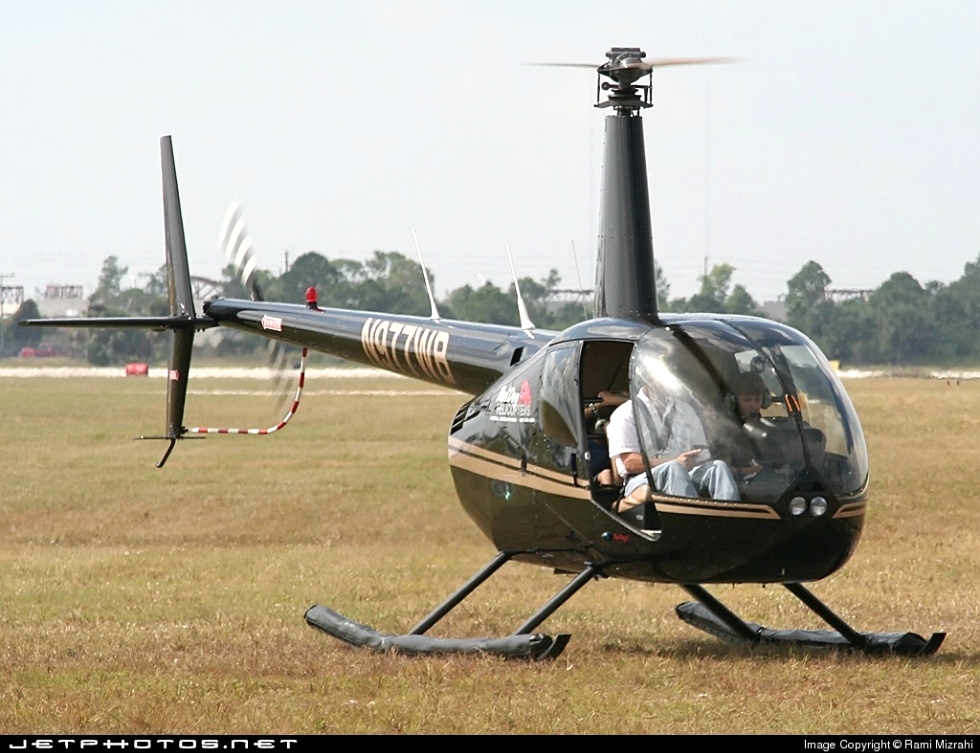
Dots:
(714, 478)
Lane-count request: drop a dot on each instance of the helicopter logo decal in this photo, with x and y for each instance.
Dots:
(513, 405)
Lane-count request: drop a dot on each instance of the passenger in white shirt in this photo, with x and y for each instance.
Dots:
(679, 461)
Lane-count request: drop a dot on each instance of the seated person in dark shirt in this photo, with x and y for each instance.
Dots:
(749, 395)
(761, 471)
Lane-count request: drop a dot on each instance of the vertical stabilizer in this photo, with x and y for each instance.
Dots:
(181, 298)
(178, 273)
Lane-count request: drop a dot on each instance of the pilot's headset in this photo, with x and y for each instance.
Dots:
(748, 383)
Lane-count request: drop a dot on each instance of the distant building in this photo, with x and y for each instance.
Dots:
(775, 310)
(11, 296)
(59, 301)
(836, 295)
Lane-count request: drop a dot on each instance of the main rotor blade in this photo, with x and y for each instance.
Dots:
(646, 64)
(664, 62)
(593, 66)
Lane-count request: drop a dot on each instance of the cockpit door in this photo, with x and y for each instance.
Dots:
(561, 438)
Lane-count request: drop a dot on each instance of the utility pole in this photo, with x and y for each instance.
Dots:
(2, 278)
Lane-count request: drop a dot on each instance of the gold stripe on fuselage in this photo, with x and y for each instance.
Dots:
(498, 467)
(852, 509)
(713, 509)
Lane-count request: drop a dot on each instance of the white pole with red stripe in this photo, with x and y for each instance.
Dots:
(271, 430)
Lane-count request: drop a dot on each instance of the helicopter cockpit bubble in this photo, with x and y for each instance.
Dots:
(807, 428)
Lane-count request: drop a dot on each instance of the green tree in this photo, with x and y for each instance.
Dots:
(395, 283)
(309, 270)
(389, 282)
(663, 286)
(545, 311)
(158, 283)
(15, 338)
(740, 302)
(714, 289)
(807, 307)
(110, 281)
(956, 309)
(849, 333)
(716, 296)
(903, 319)
(115, 346)
(107, 347)
(488, 304)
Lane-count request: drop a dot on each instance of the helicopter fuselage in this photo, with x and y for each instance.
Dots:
(520, 454)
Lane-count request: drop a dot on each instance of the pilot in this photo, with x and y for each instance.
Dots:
(680, 464)
(749, 397)
(760, 474)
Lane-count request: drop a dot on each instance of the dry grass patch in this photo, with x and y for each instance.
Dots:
(140, 601)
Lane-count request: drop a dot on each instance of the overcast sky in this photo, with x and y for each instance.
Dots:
(849, 134)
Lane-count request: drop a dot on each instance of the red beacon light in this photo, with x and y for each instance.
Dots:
(311, 299)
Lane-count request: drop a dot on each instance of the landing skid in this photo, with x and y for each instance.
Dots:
(513, 646)
(710, 615)
(522, 644)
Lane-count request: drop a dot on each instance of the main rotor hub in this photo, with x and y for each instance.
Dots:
(625, 67)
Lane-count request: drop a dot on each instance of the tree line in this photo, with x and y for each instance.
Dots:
(901, 322)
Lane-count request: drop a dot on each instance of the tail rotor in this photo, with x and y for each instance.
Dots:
(237, 245)
(236, 242)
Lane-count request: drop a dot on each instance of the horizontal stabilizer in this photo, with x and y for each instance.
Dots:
(159, 323)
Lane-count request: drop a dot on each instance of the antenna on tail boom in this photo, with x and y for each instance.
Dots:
(526, 323)
(433, 309)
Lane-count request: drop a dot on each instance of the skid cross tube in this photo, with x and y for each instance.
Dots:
(465, 590)
(592, 571)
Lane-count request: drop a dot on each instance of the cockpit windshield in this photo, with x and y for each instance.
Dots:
(753, 394)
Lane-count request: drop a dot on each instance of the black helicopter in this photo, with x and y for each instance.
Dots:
(521, 450)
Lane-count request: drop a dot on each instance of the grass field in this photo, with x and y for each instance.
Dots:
(138, 600)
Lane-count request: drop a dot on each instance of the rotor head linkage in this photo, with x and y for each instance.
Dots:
(625, 66)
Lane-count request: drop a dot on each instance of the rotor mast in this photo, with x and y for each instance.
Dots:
(626, 284)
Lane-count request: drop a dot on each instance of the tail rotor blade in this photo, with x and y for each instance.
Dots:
(237, 246)
(236, 243)
(279, 362)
